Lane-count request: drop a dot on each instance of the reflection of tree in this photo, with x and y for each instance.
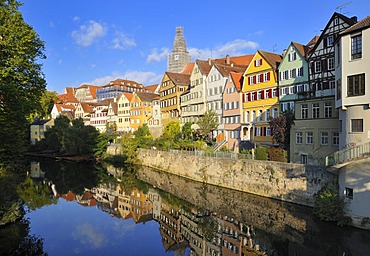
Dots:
(71, 176)
(209, 226)
(129, 182)
(30, 245)
(35, 195)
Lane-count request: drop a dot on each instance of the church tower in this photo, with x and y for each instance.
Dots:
(179, 56)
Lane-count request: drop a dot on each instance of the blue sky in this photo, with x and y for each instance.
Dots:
(91, 41)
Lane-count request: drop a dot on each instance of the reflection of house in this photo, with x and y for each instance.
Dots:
(38, 129)
(106, 197)
(123, 205)
(36, 171)
(141, 206)
(191, 232)
(231, 243)
(156, 200)
(86, 199)
(155, 121)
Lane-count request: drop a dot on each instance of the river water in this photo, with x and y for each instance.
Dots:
(82, 209)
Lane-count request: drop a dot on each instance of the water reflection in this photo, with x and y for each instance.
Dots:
(190, 218)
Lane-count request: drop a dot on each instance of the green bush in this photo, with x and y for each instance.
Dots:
(261, 153)
(329, 206)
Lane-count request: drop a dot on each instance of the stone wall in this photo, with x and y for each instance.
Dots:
(284, 181)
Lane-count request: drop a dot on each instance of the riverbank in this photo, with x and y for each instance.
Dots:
(295, 183)
(55, 156)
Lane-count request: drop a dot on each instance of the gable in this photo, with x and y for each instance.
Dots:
(258, 64)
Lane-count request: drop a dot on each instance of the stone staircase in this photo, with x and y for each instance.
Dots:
(345, 156)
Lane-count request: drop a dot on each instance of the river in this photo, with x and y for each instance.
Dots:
(84, 209)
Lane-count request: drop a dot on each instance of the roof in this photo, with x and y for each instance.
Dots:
(129, 83)
(204, 66)
(303, 50)
(362, 24)
(40, 121)
(179, 78)
(127, 95)
(148, 97)
(226, 69)
(114, 106)
(242, 60)
(152, 88)
(272, 58)
(237, 80)
(61, 106)
(188, 68)
(86, 107)
(67, 97)
(350, 21)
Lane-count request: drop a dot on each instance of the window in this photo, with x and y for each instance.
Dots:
(258, 131)
(336, 21)
(331, 64)
(330, 40)
(298, 138)
(274, 93)
(339, 89)
(300, 72)
(259, 115)
(317, 66)
(247, 118)
(259, 95)
(258, 62)
(335, 138)
(309, 137)
(357, 125)
(315, 110)
(304, 158)
(328, 112)
(266, 77)
(268, 131)
(293, 73)
(268, 115)
(324, 138)
(349, 193)
(253, 116)
(356, 85)
(304, 111)
(356, 47)
(275, 113)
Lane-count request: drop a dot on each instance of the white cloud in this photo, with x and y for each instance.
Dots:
(157, 56)
(51, 24)
(86, 234)
(76, 18)
(233, 48)
(121, 41)
(88, 33)
(143, 77)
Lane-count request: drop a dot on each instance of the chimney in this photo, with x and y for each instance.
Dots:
(209, 61)
(284, 52)
(354, 19)
(228, 59)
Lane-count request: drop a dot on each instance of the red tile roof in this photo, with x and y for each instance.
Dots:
(129, 83)
(301, 48)
(226, 69)
(272, 58)
(179, 78)
(237, 80)
(128, 95)
(362, 24)
(188, 68)
(152, 88)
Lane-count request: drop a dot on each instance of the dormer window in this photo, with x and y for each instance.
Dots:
(258, 62)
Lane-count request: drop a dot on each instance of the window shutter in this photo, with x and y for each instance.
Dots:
(263, 95)
(260, 62)
(255, 63)
(261, 78)
(324, 65)
(254, 79)
(312, 67)
(268, 76)
(249, 80)
(249, 96)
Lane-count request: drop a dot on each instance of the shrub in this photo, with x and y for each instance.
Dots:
(261, 153)
(277, 154)
(329, 206)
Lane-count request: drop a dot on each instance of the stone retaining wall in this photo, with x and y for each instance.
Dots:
(284, 181)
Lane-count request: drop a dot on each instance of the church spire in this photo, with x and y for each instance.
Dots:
(179, 56)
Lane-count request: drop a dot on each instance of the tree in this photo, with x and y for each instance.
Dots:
(47, 101)
(208, 122)
(21, 80)
(187, 131)
(280, 128)
(172, 130)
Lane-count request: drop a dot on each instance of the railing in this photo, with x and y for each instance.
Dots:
(224, 155)
(346, 155)
(218, 145)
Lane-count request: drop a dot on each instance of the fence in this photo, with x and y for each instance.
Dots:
(224, 155)
(346, 155)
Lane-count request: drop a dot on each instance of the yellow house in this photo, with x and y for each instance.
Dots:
(260, 97)
(173, 85)
(141, 109)
(124, 102)
(38, 128)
